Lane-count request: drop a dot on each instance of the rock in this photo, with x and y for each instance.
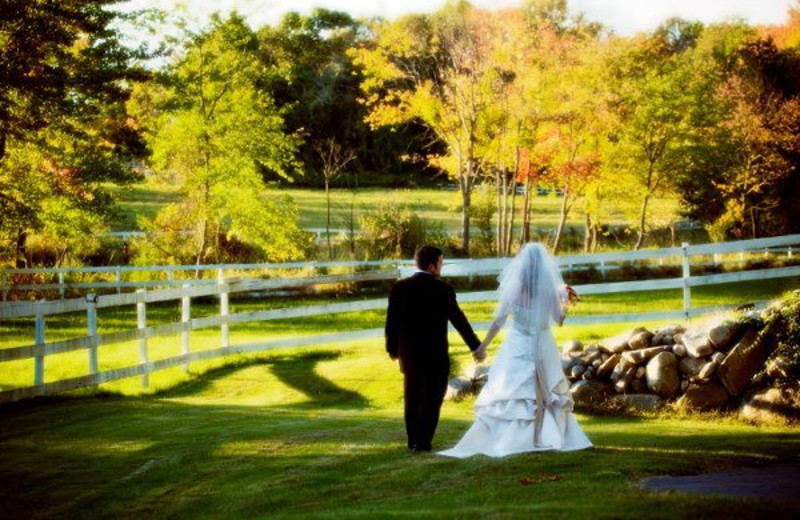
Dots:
(616, 344)
(643, 402)
(588, 374)
(620, 369)
(608, 366)
(710, 396)
(662, 374)
(476, 372)
(638, 387)
(717, 357)
(572, 346)
(684, 385)
(640, 372)
(697, 343)
(590, 354)
(577, 371)
(457, 388)
(707, 370)
(636, 357)
(679, 349)
(742, 362)
(640, 340)
(723, 334)
(596, 363)
(773, 405)
(678, 337)
(589, 392)
(691, 366)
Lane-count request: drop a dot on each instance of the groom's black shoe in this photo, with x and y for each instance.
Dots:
(421, 449)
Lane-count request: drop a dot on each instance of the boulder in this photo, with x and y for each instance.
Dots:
(636, 357)
(476, 372)
(572, 346)
(608, 366)
(662, 374)
(615, 344)
(457, 388)
(640, 340)
(638, 387)
(588, 373)
(723, 334)
(679, 349)
(779, 405)
(691, 366)
(642, 402)
(709, 396)
(640, 372)
(620, 369)
(577, 371)
(707, 370)
(742, 362)
(590, 392)
(717, 357)
(697, 343)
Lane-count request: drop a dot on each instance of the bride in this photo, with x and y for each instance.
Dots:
(525, 406)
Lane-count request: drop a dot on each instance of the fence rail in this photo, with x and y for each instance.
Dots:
(223, 287)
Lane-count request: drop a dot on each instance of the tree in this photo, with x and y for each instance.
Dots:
(64, 133)
(334, 158)
(434, 69)
(651, 102)
(214, 132)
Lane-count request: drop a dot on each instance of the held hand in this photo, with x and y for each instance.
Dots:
(572, 295)
(479, 354)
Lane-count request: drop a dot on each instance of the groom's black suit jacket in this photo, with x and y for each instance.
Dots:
(416, 324)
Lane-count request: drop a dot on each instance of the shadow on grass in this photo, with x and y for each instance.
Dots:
(296, 371)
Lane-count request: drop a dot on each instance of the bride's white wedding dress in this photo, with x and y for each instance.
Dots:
(525, 405)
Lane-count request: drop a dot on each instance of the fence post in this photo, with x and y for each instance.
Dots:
(223, 308)
(141, 323)
(61, 284)
(91, 325)
(38, 369)
(687, 294)
(789, 252)
(603, 269)
(118, 279)
(186, 318)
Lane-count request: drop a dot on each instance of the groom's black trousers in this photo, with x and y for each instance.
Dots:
(424, 394)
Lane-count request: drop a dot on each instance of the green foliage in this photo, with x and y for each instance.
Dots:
(393, 231)
(784, 324)
(64, 132)
(213, 132)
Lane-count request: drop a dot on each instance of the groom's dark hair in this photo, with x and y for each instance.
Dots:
(427, 256)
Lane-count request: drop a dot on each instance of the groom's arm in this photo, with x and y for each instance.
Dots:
(459, 321)
(391, 330)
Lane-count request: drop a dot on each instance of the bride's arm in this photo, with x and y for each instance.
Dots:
(494, 328)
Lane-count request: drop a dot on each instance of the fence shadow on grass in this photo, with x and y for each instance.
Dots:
(297, 371)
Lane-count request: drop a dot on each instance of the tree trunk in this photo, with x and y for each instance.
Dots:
(328, 218)
(510, 230)
(21, 259)
(526, 213)
(561, 223)
(642, 219)
(499, 234)
(465, 202)
(587, 239)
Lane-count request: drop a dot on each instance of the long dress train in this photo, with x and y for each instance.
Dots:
(525, 406)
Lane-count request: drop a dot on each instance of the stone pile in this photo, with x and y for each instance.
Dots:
(720, 365)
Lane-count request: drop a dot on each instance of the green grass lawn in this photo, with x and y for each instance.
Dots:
(434, 206)
(319, 433)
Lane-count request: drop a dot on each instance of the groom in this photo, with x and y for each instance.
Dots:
(416, 332)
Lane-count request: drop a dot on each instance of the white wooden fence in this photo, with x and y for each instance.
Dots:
(162, 276)
(223, 287)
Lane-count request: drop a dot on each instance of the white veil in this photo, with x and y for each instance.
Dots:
(532, 289)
